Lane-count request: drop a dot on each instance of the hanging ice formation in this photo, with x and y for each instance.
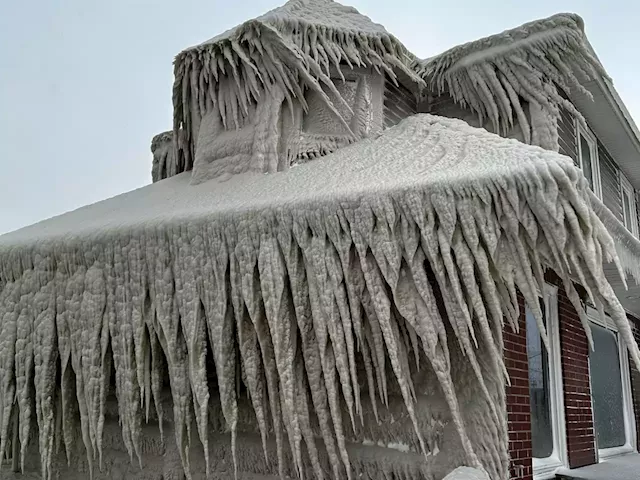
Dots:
(493, 76)
(318, 317)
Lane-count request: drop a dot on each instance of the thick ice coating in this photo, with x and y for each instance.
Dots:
(312, 297)
(533, 62)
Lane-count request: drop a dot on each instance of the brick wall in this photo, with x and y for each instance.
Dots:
(577, 390)
(518, 408)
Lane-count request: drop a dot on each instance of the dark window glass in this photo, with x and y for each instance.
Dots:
(626, 201)
(587, 161)
(606, 388)
(539, 391)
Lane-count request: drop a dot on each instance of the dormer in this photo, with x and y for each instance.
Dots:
(292, 85)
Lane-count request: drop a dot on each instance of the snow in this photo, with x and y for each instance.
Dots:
(291, 280)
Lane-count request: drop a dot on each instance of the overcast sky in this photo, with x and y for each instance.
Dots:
(84, 84)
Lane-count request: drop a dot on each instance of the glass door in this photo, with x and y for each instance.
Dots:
(610, 391)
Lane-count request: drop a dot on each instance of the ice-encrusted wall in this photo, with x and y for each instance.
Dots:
(276, 133)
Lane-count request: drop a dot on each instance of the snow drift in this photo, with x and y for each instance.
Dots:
(400, 250)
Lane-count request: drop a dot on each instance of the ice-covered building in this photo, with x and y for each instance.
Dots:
(352, 263)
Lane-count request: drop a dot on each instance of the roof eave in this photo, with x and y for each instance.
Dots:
(611, 121)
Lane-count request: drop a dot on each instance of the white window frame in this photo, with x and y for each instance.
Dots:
(545, 468)
(627, 398)
(625, 186)
(585, 131)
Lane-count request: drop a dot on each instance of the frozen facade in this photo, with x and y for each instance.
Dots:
(330, 276)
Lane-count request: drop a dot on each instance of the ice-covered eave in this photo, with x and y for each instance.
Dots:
(612, 123)
(424, 232)
(492, 76)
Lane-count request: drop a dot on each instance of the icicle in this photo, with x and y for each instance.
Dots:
(285, 52)
(532, 60)
(296, 292)
(156, 377)
(327, 359)
(220, 323)
(250, 353)
(279, 313)
(10, 297)
(310, 349)
(194, 326)
(45, 362)
(171, 340)
(248, 259)
(303, 416)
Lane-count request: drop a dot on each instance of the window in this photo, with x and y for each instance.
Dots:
(610, 390)
(319, 119)
(539, 390)
(588, 157)
(545, 390)
(629, 215)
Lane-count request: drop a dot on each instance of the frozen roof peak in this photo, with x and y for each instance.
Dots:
(318, 14)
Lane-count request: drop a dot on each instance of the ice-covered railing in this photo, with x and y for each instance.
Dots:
(290, 49)
(414, 248)
(164, 157)
(494, 75)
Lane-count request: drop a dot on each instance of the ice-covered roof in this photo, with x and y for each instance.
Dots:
(426, 152)
(297, 273)
(491, 74)
(319, 15)
(301, 44)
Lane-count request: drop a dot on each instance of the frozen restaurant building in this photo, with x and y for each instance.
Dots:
(352, 264)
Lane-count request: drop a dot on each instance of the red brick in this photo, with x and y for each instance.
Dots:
(577, 385)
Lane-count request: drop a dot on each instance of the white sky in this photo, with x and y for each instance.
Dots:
(85, 85)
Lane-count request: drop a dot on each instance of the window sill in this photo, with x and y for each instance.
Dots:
(607, 453)
(546, 468)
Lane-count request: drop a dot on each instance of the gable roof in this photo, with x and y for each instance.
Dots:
(301, 15)
(492, 74)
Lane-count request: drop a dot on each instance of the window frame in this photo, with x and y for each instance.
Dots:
(585, 131)
(546, 468)
(626, 187)
(630, 445)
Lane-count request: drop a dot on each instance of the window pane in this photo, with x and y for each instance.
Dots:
(606, 388)
(587, 162)
(539, 394)
(626, 203)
